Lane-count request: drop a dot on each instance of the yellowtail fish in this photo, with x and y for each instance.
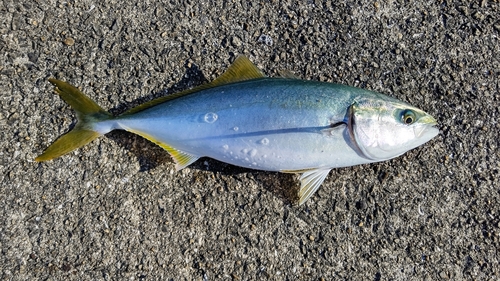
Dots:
(275, 124)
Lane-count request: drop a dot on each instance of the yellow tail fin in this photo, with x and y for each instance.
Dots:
(87, 112)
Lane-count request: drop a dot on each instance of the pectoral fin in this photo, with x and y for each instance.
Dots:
(310, 181)
(334, 129)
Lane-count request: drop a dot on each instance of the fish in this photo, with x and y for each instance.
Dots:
(244, 118)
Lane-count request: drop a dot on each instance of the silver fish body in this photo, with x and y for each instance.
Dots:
(275, 124)
(267, 124)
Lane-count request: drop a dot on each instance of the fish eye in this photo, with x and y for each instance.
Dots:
(408, 117)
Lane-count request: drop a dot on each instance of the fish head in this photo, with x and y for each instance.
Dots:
(384, 129)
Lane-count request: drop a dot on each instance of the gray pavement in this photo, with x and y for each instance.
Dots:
(116, 209)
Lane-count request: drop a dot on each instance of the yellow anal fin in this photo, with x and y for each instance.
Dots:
(241, 69)
(182, 159)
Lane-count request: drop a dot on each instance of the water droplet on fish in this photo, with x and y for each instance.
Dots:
(236, 129)
(252, 152)
(244, 150)
(210, 117)
(264, 141)
(254, 163)
(225, 146)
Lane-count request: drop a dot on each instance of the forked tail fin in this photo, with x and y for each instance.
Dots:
(87, 112)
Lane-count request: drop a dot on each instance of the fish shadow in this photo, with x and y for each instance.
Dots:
(192, 77)
(283, 186)
(150, 156)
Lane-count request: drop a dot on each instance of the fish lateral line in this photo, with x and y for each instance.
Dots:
(315, 130)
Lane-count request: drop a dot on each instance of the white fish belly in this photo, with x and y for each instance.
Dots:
(285, 151)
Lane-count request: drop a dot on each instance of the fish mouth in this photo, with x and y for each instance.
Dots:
(426, 132)
(428, 127)
(428, 120)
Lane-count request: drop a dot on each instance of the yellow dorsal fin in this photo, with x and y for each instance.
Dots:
(241, 69)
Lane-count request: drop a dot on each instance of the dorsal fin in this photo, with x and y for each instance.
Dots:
(241, 69)
(288, 74)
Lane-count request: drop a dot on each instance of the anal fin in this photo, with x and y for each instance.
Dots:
(182, 159)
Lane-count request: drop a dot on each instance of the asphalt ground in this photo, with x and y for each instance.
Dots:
(116, 209)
